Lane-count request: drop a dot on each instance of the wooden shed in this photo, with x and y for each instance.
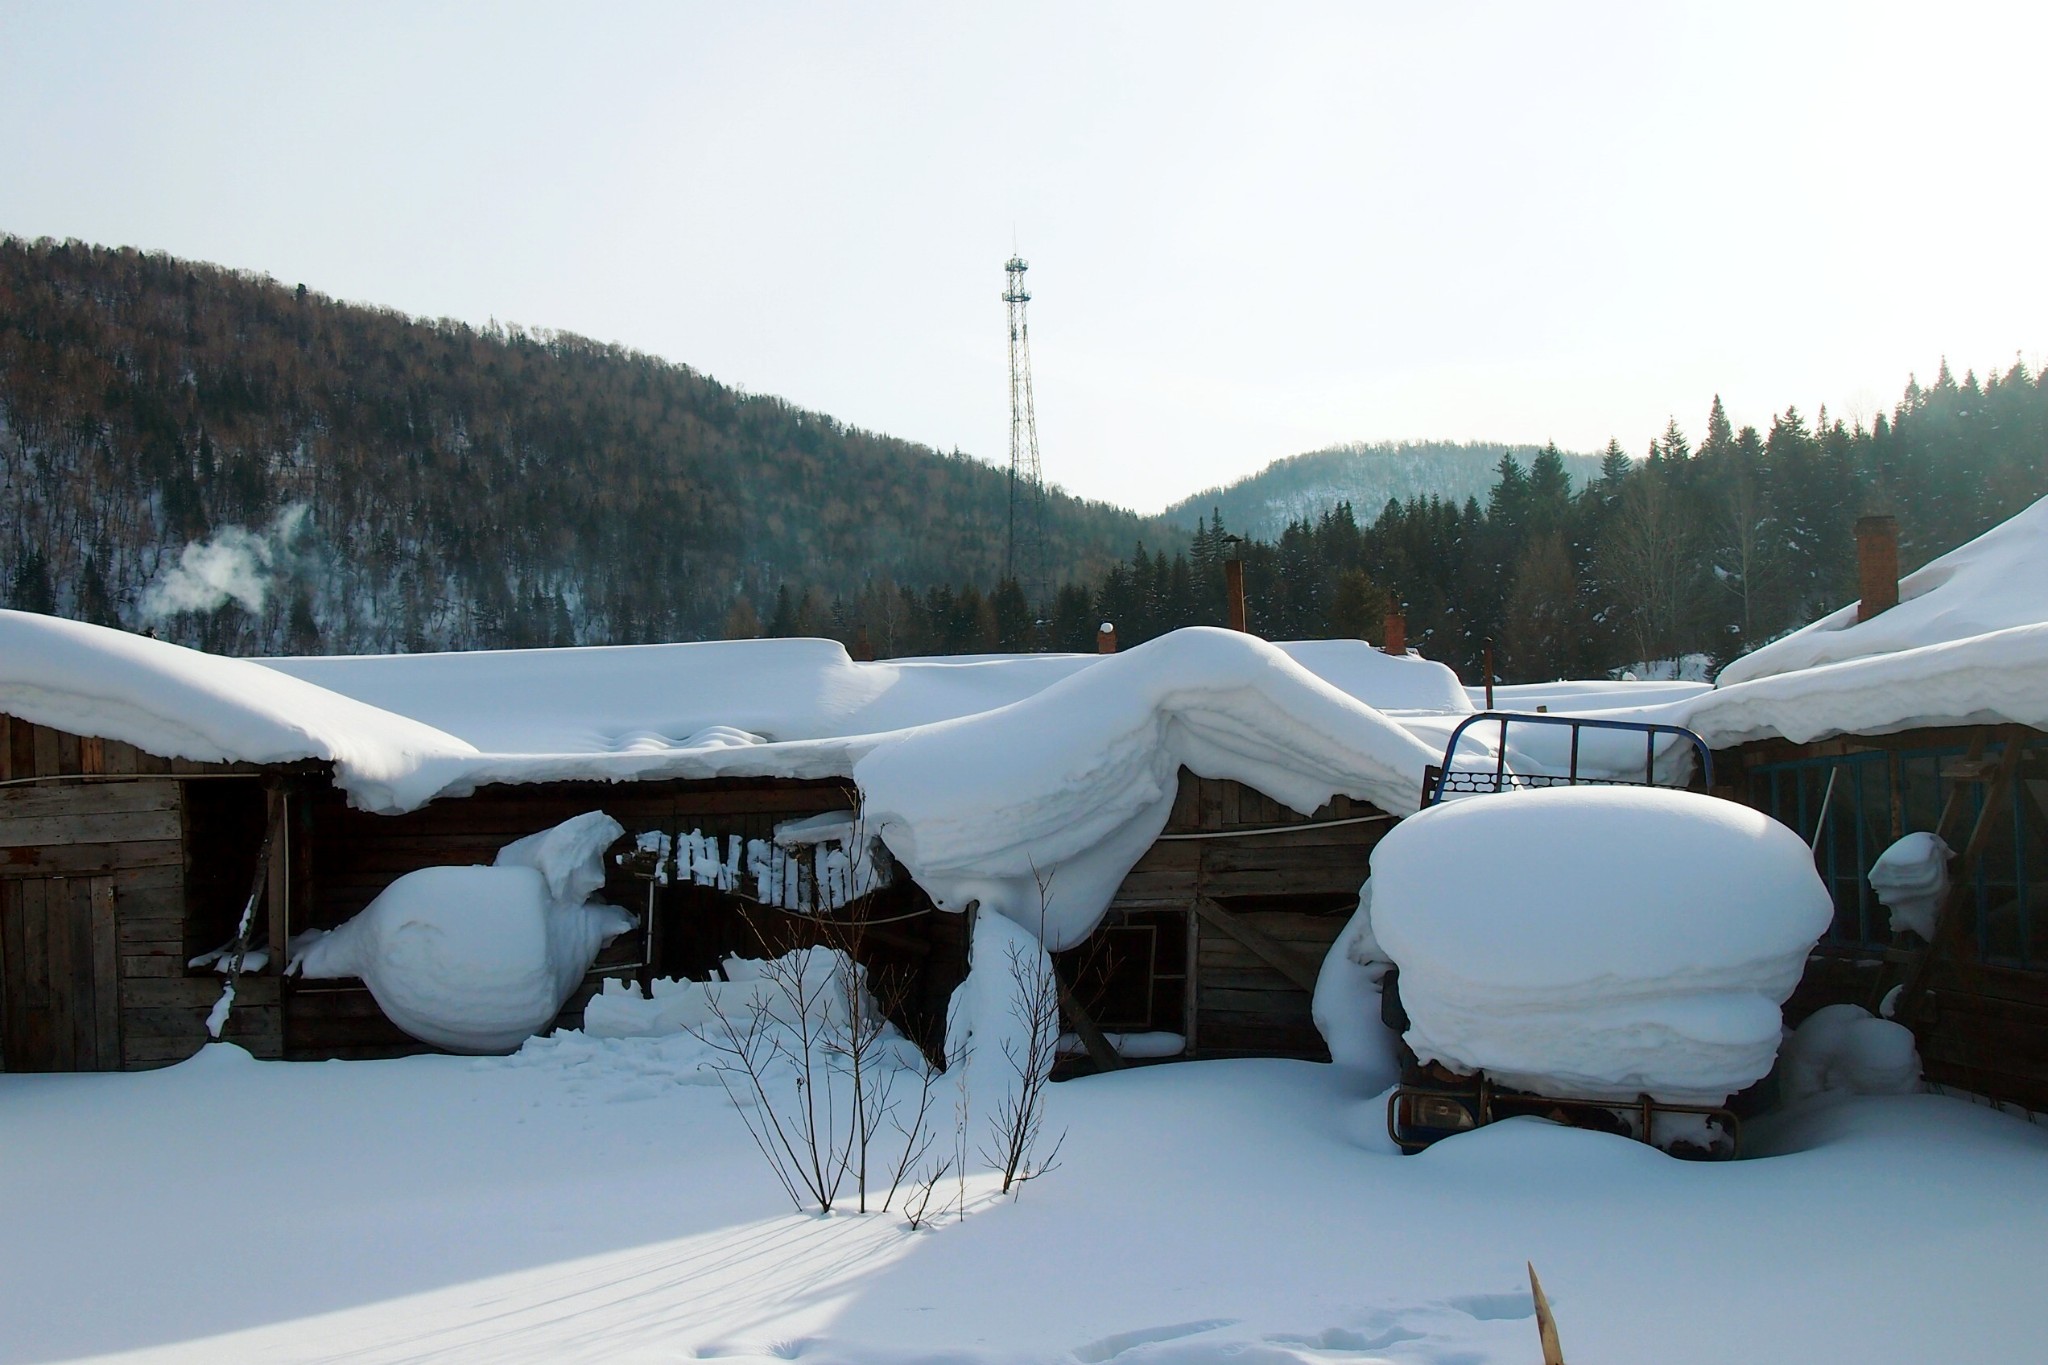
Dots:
(119, 867)
(1976, 997)
(116, 866)
(1218, 932)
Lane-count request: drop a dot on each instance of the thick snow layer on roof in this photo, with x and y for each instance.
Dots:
(1038, 809)
(1598, 941)
(405, 729)
(181, 703)
(1584, 697)
(985, 775)
(650, 698)
(1997, 677)
(1993, 583)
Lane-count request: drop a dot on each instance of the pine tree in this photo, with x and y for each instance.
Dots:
(782, 625)
(31, 589)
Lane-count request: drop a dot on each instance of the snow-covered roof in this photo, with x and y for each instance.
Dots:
(181, 703)
(1990, 584)
(1967, 644)
(985, 775)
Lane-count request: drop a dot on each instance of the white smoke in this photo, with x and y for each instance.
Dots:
(233, 565)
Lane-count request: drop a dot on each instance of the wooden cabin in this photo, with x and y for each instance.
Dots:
(1978, 996)
(119, 867)
(1218, 932)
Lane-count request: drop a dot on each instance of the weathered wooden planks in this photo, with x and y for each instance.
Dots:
(1275, 902)
(59, 956)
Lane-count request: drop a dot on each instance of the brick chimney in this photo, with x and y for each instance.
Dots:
(1233, 583)
(1877, 565)
(862, 651)
(1105, 638)
(1396, 633)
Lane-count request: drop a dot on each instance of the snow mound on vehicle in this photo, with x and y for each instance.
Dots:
(478, 959)
(1598, 942)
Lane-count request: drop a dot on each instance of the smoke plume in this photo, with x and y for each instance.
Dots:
(235, 564)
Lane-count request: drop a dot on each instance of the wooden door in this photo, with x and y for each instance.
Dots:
(59, 985)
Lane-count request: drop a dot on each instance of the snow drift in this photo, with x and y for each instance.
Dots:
(1346, 1005)
(478, 959)
(1844, 1049)
(1598, 942)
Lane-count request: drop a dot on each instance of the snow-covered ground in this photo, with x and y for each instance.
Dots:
(588, 1204)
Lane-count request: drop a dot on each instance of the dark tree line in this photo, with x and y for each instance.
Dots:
(1706, 550)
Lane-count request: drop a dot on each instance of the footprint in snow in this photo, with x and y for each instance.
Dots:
(1115, 1345)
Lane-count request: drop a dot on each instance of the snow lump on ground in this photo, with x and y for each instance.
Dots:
(478, 959)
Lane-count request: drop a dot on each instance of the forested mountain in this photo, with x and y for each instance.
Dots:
(1708, 550)
(1302, 488)
(255, 468)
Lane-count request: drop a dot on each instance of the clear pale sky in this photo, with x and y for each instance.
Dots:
(1253, 230)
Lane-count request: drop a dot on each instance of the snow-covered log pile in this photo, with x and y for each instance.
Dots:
(1598, 942)
(478, 959)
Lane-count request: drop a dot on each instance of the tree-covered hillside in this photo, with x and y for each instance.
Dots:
(256, 468)
(1302, 488)
(1690, 550)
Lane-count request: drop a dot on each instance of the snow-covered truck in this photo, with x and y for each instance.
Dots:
(1601, 951)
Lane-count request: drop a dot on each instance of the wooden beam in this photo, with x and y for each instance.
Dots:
(1948, 930)
(277, 878)
(1105, 1057)
(106, 976)
(1276, 955)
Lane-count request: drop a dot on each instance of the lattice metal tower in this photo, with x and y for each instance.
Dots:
(1024, 556)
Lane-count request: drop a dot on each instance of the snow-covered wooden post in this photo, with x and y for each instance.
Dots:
(1105, 638)
(1877, 565)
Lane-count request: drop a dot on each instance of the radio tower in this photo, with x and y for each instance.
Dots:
(1024, 555)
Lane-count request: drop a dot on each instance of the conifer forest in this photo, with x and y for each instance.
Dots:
(248, 467)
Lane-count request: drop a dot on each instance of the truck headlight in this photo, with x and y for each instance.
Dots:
(1439, 1111)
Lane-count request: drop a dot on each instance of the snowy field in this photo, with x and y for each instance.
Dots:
(584, 1202)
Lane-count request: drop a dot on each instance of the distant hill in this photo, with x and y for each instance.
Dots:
(252, 467)
(1303, 487)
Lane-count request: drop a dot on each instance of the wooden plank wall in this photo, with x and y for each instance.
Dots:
(124, 831)
(1298, 889)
